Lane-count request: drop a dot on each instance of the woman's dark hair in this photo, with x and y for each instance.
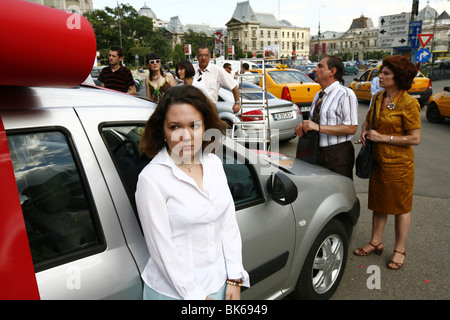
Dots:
(153, 56)
(404, 70)
(335, 62)
(189, 71)
(153, 138)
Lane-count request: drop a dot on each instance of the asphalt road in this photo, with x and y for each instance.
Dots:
(426, 272)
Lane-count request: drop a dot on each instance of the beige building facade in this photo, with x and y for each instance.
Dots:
(253, 32)
(360, 41)
(78, 6)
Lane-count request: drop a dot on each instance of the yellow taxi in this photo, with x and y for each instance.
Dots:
(439, 106)
(421, 87)
(292, 85)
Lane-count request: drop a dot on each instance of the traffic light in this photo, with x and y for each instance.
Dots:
(415, 8)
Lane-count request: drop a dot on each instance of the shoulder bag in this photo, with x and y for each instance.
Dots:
(308, 147)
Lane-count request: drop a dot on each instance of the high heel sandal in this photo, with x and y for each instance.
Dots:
(377, 250)
(396, 265)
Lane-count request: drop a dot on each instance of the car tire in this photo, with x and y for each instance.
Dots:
(324, 265)
(433, 114)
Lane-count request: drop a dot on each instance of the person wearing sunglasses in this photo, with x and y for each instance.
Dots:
(213, 77)
(158, 81)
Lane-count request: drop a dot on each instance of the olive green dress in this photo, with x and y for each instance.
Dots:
(392, 183)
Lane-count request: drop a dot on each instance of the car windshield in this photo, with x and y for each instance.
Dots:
(289, 76)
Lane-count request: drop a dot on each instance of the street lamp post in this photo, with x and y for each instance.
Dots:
(318, 39)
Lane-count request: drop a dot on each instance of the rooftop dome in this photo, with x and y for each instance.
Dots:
(427, 13)
(147, 12)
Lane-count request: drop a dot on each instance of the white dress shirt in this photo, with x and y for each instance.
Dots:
(212, 78)
(339, 107)
(192, 235)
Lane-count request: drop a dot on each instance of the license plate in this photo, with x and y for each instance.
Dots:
(305, 109)
(417, 96)
(283, 115)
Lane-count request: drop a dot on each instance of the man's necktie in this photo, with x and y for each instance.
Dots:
(316, 115)
(200, 77)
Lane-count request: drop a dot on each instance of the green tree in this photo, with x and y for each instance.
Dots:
(123, 26)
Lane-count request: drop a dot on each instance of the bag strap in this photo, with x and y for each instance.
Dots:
(374, 105)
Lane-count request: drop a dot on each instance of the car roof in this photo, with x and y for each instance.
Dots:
(14, 98)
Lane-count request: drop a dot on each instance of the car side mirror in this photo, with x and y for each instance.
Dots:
(282, 189)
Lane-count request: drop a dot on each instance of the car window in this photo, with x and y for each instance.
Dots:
(59, 218)
(365, 76)
(242, 182)
(374, 74)
(122, 142)
(289, 76)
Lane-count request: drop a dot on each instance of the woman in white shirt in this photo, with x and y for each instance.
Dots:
(185, 206)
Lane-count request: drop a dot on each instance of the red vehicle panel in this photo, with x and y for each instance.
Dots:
(17, 276)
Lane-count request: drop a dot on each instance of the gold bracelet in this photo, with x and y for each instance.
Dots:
(235, 282)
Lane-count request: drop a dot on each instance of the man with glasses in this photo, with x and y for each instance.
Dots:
(116, 76)
(211, 77)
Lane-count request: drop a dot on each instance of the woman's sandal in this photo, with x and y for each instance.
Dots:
(396, 265)
(377, 250)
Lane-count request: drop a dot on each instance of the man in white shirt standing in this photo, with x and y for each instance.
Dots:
(211, 77)
(334, 114)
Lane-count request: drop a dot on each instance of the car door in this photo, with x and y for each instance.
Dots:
(267, 228)
(76, 240)
(362, 87)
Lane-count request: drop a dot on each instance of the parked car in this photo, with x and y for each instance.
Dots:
(439, 106)
(73, 169)
(421, 87)
(284, 115)
(350, 68)
(443, 63)
(292, 85)
(69, 162)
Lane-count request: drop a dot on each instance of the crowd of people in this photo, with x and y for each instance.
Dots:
(182, 195)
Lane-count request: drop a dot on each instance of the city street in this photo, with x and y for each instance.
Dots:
(426, 271)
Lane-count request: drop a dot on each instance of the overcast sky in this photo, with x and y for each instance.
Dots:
(335, 15)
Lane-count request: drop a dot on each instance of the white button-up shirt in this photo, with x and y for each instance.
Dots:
(339, 107)
(192, 235)
(213, 77)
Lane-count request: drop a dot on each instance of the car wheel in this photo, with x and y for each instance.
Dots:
(433, 114)
(324, 265)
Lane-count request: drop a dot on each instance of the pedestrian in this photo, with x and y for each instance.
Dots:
(116, 76)
(184, 70)
(375, 84)
(213, 77)
(157, 81)
(246, 70)
(227, 67)
(334, 115)
(185, 206)
(395, 131)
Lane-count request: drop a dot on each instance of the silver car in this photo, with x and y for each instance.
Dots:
(74, 153)
(284, 115)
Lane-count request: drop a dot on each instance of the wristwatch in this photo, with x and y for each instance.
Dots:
(237, 102)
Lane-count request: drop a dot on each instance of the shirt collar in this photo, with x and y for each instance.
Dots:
(331, 87)
(165, 159)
